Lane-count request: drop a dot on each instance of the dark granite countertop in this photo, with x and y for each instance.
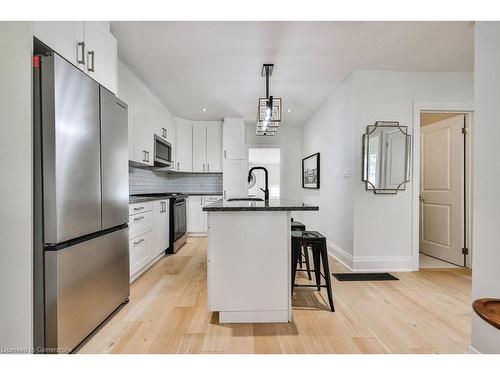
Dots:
(139, 198)
(198, 194)
(146, 198)
(272, 205)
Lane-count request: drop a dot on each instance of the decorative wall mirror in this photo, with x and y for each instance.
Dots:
(386, 157)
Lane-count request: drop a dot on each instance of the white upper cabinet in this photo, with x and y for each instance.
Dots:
(158, 126)
(207, 152)
(183, 146)
(199, 148)
(146, 117)
(234, 139)
(126, 92)
(101, 54)
(164, 126)
(88, 45)
(66, 38)
(214, 147)
(143, 129)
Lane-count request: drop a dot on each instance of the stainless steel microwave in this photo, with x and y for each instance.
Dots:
(163, 152)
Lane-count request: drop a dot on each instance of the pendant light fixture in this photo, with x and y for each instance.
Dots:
(269, 108)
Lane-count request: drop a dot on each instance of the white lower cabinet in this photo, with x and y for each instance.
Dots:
(160, 227)
(207, 199)
(196, 219)
(140, 223)
(149, 234)
(140, 250)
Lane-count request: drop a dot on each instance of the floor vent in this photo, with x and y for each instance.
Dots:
(364, 276)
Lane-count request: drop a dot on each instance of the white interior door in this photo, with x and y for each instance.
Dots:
(441, 189)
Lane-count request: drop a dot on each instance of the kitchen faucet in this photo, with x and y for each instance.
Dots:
(266, 190)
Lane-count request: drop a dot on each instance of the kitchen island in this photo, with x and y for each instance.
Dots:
(249, 266)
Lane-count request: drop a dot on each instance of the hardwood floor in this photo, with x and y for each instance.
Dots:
(425, 312)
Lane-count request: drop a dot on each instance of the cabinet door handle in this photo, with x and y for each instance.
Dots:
(224, 154)
(201, 201)
(208, 167)
(178, 166)
(82, 46)
(164, 132)
(138, 208)
(138, 242)
(144, 156)
(138, 218)
(203, 167)
(91, 68)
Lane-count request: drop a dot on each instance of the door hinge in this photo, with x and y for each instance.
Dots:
(464, 130)
(465, 251)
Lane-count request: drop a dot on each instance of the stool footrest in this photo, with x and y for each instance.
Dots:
(310, 286)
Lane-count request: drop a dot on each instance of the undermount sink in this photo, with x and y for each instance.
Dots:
(245, 199)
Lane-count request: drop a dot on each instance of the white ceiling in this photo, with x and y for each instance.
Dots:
(216, 65)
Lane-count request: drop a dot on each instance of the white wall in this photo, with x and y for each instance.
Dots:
(288, 137)
(486, 199)
(374, 230)
(383, 224)
(16, 44)
(330, 132)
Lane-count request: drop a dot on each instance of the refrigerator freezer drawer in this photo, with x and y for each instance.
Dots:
(84, 284)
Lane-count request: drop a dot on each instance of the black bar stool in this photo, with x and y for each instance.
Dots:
(304, 251)
(317, 243)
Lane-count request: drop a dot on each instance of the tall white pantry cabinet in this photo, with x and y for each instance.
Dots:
(235, 165)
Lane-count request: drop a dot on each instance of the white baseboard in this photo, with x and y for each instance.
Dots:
(471, 350)
(370, 263)
(139, 273)
(339, 254)
(197, 234)
(383, 263)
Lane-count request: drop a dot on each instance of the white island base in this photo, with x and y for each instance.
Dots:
(249, 266)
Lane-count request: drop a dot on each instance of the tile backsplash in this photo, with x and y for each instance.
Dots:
(144, 181)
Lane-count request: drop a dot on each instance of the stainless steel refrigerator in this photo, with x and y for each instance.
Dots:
(81, 269)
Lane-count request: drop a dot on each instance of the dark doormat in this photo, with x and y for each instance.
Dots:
(364, 276)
